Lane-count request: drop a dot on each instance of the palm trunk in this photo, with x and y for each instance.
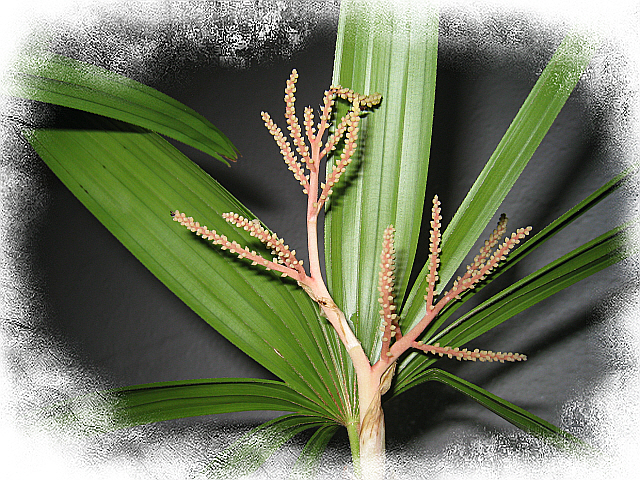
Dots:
(371, 387)
(372, 441)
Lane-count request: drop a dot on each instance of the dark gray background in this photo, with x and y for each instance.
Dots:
(123, 326)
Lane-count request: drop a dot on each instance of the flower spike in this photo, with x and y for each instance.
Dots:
(464, 354)
(483, 264)
(303, 157)
(312, 155)
(284, 255)
(285, 149)
(292, 120)
(386, 283)
(493, 240)
(368, 101)
(434, 249)
(479, 270)
(353, 120)
(285, 262)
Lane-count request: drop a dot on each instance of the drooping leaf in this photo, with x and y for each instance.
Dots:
(51, 78)
(157, 402)
(578, 264)
(130, 179)
(515, 415)
(392, 52)
(508, 160)
(252, 450)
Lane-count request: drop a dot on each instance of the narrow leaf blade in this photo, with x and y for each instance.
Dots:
(578, 264)
(156, 402)
(512, 154)
(416, 311)
(252, 450)
(51, 78)
(515, 415)
(510, 157)
(307, 464)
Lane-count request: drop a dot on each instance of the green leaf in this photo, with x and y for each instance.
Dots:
(392, 52)
(252, 450)
(130, 179)
(525, 249)
(578, 264)
(59, 80)
(515, 415)
(156, 402)
(508, 160)
(307, 464)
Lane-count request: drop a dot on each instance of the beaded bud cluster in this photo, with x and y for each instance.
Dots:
(479, 270)
(305, 163)
(475, 355)
(306, 158)
(434, 251)
(386, 285)
(483, 264)
(285, 261)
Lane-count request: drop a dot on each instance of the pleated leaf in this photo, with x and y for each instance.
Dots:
(515, 415)
(578, 264)
(507, 162)
(131, 179)
(251, 451)
(156, 402)
(393, 52)
(51, 78)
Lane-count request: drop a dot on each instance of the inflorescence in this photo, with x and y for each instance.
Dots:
(304, 164)
(308, 156)
(483, 264)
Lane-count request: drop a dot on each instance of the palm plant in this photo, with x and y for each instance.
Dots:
(322, 340)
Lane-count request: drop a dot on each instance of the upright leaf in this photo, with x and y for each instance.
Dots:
(507, 162)
(392, 52)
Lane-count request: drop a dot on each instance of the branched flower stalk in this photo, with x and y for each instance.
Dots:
(374, 378)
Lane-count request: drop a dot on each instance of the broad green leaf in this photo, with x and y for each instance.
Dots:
(252, 450)
(578, 264)
(307, 464)
(508, 160)
(156, 402)
(392, 52)
(51, 78)
(515, 415)
(130, 179)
